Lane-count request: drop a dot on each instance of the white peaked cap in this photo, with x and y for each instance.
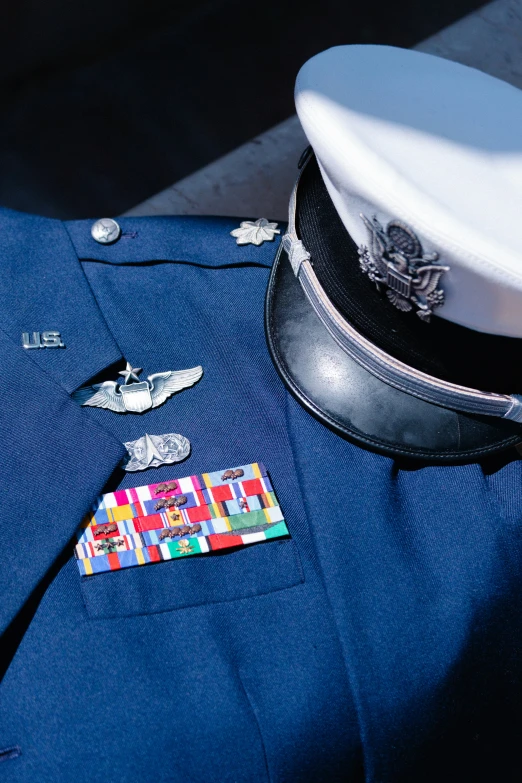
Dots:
(411, 137)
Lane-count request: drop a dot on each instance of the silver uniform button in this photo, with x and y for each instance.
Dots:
(105, 231)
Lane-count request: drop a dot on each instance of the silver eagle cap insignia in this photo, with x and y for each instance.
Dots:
(394, 258)
(137, 396)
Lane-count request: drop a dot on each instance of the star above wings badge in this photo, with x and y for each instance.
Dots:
(137, 396)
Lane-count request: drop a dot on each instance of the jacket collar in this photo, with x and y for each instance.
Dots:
(43, 288)
(183, 238)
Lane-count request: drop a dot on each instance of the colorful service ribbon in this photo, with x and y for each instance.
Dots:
(181, 517)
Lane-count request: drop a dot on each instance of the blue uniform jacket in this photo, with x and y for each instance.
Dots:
(381, 642)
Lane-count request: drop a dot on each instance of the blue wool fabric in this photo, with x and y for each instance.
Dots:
(381, 642)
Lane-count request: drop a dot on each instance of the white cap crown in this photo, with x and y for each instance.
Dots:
(411, 139)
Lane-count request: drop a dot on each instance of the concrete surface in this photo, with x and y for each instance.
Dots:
(255, 179)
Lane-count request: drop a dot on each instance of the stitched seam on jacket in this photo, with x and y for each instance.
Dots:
(314, 559)
(258, 725)
(349, 678)
(13, 752)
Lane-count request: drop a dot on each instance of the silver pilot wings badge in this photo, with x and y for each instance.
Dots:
(394, 258)
(133, 395)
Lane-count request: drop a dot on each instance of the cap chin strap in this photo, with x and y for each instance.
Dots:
(376, 361)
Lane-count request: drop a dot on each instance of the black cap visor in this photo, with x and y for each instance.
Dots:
(346, 397)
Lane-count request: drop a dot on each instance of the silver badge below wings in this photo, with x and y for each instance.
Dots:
(137, 396)
(151, 451)
(394, 259)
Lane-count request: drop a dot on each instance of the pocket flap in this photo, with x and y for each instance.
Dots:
(205, 579)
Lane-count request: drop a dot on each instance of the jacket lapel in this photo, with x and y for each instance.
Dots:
(55, 459)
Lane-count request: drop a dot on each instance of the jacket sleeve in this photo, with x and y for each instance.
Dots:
(54, 461)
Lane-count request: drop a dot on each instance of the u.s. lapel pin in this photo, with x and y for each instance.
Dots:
(133, 395)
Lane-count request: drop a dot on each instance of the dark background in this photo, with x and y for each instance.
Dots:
(104, 103)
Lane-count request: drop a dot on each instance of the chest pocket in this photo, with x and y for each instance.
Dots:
(198, 540)
(214, 578)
